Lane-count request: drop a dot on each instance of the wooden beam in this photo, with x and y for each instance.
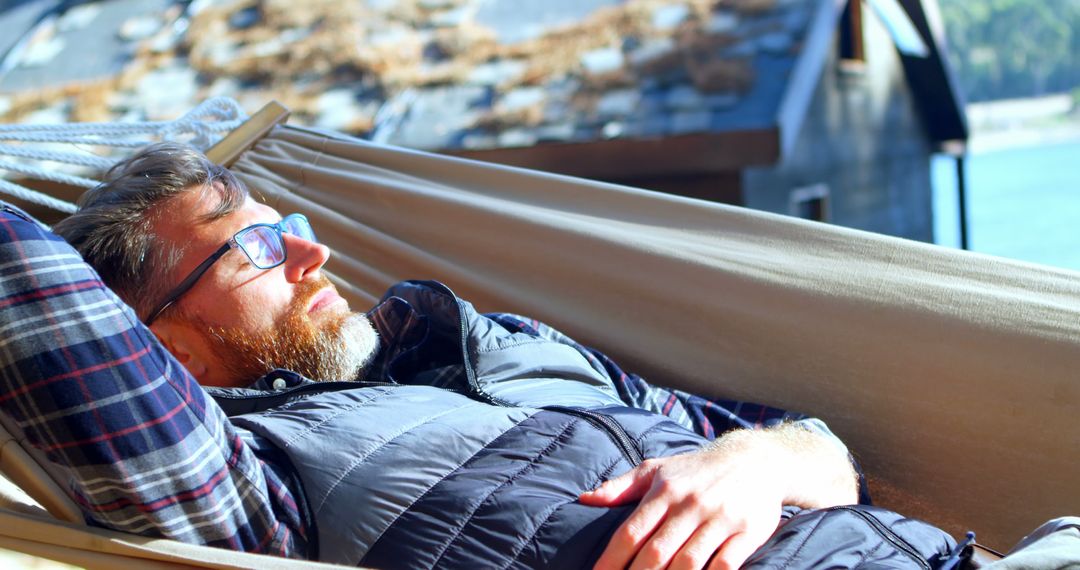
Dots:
(724, 187)
(229, 149)
(622, 159)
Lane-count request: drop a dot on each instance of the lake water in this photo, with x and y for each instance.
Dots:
(1022, 203)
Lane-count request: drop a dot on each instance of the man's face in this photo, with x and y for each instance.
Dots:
(238, 321)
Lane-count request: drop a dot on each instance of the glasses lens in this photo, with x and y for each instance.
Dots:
(263, 246)
(298, 226)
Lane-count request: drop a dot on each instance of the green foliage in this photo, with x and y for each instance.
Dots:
(1013, 48)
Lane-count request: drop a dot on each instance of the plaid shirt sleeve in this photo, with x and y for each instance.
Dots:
(135, 440)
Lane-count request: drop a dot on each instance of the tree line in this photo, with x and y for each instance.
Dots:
(1013, 48)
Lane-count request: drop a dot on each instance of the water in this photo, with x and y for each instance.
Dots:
(1023, 203)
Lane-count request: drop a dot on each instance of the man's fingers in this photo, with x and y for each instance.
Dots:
(626, 488)
(735, 551)
(667, 541)
(632, 534)
(706, 540)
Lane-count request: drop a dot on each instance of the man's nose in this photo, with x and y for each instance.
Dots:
(303, 257)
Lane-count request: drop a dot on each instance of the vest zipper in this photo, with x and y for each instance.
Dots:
(295, 390)
(288, 393)
(605, 423)
(463, 331)
(614, 430)
(888, 535)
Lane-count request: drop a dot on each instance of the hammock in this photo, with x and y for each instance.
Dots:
(28, 146)
(952, 375)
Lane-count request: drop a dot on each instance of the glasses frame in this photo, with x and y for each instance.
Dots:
(233, 243)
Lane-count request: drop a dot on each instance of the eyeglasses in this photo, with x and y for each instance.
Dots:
(263, 244)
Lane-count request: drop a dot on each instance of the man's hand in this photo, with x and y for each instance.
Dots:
(716, 506)
(691, 506)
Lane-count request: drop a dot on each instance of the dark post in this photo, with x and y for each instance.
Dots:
(961, 186)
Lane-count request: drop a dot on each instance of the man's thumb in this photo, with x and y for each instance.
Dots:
(626, 488)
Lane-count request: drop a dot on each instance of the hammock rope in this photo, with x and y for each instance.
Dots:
(201, 127)
(43, 174)
(77, 158)
(36, 197)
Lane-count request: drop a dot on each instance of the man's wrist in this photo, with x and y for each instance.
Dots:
(808, 469)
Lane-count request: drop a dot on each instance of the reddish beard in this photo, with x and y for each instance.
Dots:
(323, 350)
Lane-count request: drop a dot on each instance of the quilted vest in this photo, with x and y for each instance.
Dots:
(482, 474)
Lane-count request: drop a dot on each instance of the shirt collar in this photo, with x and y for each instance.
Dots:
(400, 330)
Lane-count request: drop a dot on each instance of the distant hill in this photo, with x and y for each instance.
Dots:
(1013, 48)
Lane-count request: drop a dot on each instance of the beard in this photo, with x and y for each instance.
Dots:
(338, 347)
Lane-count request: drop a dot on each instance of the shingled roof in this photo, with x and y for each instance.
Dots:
(710, 79)
(587, 70)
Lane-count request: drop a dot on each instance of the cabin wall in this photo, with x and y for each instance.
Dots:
(862, 144)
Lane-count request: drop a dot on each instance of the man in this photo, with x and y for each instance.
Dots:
(456, 440)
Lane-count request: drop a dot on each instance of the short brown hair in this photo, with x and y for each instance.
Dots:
(113, 228)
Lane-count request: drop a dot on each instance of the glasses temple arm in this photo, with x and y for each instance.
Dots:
(188, 282)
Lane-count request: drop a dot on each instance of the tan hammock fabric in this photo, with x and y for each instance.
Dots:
(953, 376)
(26, 528)
(95, 548)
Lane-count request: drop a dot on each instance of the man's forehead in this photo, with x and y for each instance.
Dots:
(193, 235)
(188, 215)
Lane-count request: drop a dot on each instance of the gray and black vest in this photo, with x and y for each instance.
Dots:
(482, 471)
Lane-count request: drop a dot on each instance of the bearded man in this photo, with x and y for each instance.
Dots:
(420, 434)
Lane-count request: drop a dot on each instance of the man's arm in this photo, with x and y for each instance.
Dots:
(142, 447)
(717, 506)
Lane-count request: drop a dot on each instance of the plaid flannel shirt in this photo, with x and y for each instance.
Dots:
(143, 449)
(139, 445)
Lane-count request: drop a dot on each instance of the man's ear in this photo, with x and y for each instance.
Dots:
(185, 344)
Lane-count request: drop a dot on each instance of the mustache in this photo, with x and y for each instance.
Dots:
(294, 342)
(305, 291)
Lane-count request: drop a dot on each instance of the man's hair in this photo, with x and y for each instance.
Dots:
(114, 226)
